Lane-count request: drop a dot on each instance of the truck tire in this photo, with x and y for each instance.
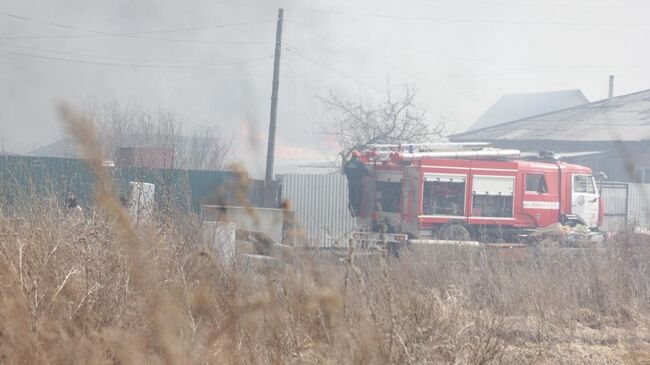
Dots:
(454, 232)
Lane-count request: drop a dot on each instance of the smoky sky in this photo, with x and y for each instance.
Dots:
(211, 61)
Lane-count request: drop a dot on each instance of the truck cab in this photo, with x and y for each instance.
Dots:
(586, 202)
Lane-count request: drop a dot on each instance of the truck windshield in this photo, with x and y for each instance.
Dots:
(388, 196)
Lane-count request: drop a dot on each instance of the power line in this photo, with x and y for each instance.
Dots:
(126, 35)
(142, 34)
(314, 33)
(528, 5)
(333, 12)
(333, 69)
(206, 27)
(28, 19)
(461, 20)
(539, 69)
(216, 26)
(496, 3)
(327, 66)
(135, 65)
(315, 61)
(365, 42)
(471, 21)
(329, 40)
(67, 53)
(425, 81)
(488, 72)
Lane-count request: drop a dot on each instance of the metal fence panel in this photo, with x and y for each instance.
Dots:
(639, 206)
(320, 204)
(23, 177)
(626, 204)
(615, 196)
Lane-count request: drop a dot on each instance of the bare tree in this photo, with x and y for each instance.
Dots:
(206, 149)
(130, 125)
(393, 121)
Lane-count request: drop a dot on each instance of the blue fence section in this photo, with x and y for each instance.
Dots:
(23, 177)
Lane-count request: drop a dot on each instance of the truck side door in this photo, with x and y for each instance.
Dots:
(540, 198)
(585, 199)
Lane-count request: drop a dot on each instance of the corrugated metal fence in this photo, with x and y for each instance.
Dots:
(22, 177)
(320, 202)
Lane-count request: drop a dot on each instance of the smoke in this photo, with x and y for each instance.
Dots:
(461, 55)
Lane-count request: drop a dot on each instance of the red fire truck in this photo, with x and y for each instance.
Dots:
(471, 191)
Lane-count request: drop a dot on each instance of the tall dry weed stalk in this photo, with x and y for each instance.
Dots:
(103, 292)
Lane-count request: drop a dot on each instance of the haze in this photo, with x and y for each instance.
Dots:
(461, 55)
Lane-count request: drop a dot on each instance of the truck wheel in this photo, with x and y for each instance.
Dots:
(454, 232)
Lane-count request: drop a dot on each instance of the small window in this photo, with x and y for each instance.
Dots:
(444, 195)
(388, 196)
(492, 206)
(536, 182)
(492, 196)
(583, 184)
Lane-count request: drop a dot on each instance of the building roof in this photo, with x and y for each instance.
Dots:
(69, 148)
(66, 148)
(517, 106)
(625, 118)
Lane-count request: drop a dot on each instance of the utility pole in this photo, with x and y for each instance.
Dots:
(270, 152)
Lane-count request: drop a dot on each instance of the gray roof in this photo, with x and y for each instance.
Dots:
(517, 106)
(625, 117)
(66, 148)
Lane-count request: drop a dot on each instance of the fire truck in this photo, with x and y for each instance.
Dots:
(472, 191)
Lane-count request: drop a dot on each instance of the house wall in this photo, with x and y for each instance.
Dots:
(610, 163)
(145, 157)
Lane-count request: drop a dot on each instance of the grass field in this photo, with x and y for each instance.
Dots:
(103, 293)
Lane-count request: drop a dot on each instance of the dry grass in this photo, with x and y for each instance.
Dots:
(69, 295)
(104, 293)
